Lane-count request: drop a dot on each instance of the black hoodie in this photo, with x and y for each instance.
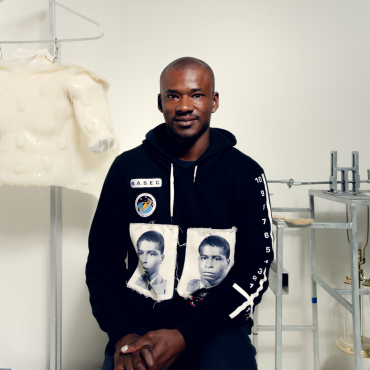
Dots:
(223, 189)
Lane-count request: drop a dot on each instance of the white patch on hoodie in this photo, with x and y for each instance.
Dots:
(146, 183)
(209, 258)
(156, 246)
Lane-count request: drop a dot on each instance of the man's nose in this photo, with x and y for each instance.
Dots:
(209, 263)
(144, 258)
(185, 105)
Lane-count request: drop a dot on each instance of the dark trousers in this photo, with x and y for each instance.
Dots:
(229, 350)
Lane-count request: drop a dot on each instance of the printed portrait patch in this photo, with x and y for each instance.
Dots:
(208, 259)
(156, 247)
(145, 204)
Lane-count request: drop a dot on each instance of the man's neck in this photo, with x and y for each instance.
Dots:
(153, 276)
(188, 149)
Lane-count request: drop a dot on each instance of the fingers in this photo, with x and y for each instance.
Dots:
(118, 364)
(139, 360)
(147, 355)
(140, 363)
(125, 362)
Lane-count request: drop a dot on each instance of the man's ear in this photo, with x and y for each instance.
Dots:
(162, 258)
(227, 262)
(215, 102)
(160, 103)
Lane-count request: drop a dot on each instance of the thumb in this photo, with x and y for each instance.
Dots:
(133, 346)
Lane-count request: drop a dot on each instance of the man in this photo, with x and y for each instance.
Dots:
(200, 177)
(213, 261)
(150, 247)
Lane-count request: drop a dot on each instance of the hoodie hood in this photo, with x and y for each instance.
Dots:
(156, 143)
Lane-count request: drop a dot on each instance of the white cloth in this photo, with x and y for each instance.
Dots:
(53, 121)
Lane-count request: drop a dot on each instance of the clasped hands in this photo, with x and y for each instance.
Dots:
(156, 350)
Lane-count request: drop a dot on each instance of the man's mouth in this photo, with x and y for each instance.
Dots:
(185, 120)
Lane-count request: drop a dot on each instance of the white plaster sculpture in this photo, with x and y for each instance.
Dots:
(55, 124)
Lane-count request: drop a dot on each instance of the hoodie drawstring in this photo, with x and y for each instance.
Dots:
(172, 188)
(172, 191)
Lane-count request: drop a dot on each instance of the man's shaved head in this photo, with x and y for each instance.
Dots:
(187, 100)
(191, 63)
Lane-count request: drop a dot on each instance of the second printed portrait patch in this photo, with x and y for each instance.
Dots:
(209, 258)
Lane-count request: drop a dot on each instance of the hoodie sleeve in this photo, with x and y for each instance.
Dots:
(106, 267)
(231, 303)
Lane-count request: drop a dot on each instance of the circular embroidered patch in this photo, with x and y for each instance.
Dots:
(145, 204)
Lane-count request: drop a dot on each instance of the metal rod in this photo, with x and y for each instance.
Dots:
(255, 331)
(55, 246)
(367, 232)
(349, 291)
(52, 40)
(312, 182)
(279, 299)
(315, 320)
(55, 277)
(287, 209)
(316, 225)
(355, 290)
(287, 328)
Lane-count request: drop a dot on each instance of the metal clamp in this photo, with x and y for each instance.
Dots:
(344, 176)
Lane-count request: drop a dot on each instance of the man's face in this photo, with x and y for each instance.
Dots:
(212, 264)
(187, 101)
(150, 257)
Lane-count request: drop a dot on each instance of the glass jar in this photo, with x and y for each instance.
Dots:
(345, 343)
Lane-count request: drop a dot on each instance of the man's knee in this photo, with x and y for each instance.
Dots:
(230, 349)
(108, 363)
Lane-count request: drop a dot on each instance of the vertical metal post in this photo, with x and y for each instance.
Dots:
(279, 299)
(255, 331)
(55, 248)
(356, 319)
(355, 172)
(315, 321)
(52, 26)
(55, 277)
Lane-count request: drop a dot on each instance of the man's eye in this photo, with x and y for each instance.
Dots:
(197, 96)
(217, 258)
(203, 258)
(140, 253)
(171, 96)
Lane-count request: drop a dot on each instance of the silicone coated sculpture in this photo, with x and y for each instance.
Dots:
(55, 124)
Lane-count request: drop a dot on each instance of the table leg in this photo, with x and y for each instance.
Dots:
(279, 298)
(315, 321)
(356, 318)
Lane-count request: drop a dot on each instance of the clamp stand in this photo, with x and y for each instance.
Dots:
(344, 183)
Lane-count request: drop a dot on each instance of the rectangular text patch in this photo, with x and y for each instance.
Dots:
(146, 183)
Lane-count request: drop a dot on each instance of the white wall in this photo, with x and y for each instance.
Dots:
(294, 84)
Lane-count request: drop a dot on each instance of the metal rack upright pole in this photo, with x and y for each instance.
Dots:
(55, 247)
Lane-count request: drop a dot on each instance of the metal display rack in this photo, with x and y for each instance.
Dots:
(56, 200)
(279, 276)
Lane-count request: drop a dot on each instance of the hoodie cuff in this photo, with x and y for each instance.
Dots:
(119, 328)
